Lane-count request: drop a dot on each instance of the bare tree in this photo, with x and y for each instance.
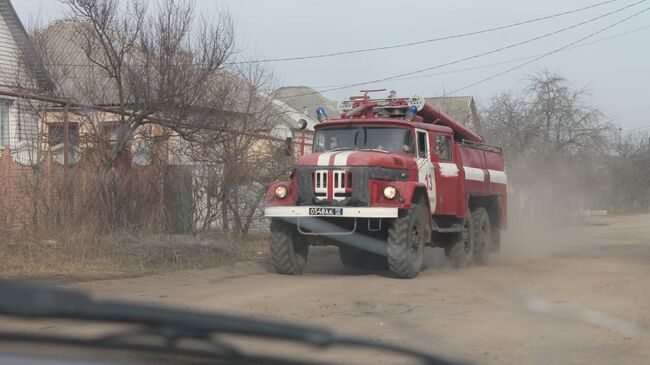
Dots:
(554, 144)
(151, 66)
(568, 124)
(629, 183)
(239, 160)
(157, 80)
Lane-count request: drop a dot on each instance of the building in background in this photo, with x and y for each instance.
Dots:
(459, 108)
(21, 70)
(305, 100)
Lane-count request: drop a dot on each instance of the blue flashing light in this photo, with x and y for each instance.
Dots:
(411, 112)
(321, 114)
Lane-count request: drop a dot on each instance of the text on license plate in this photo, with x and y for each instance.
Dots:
(325, 211)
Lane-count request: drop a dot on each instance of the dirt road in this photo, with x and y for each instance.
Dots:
(574, 295)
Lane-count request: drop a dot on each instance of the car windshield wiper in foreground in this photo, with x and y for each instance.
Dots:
(32, 301)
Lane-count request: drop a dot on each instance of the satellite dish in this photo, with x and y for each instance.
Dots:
(302, 124)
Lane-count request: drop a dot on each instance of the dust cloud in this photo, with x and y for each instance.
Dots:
(546, 219)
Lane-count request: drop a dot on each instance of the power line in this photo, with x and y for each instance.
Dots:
(552, 52)
(502, 62)
(409, 44)
(473, 56)
(401, 45)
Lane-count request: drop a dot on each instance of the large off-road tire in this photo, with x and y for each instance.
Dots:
(459, 251)
(482, 236)
(288, 254)
(406, 240)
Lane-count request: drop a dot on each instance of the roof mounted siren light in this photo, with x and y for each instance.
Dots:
(391, 107)
(411, 111)
(321, 114)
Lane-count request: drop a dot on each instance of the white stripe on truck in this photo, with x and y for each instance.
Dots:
(448, 169)
(341, 159)
(324, 158)
(474, 174)
(498, 177)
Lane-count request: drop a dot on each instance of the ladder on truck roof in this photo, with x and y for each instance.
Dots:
(392, 107)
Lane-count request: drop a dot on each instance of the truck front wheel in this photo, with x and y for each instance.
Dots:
(288, 254)
(406, 241)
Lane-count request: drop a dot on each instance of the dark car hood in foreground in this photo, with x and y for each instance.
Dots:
(170, 325)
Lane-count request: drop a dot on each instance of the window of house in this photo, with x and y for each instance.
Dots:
(5, 132)
(423, 148)
(110, 132)
(443, 147)
(57, 135)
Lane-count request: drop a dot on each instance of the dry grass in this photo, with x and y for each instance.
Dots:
(82, 257)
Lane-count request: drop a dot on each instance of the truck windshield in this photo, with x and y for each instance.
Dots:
(389, 139)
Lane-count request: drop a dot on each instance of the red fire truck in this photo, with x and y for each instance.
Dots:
(386, 179)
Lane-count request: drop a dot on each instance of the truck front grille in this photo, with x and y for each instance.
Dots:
(332, 184)
(314, 181)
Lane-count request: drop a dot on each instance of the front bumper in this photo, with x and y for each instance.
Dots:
(346, 212)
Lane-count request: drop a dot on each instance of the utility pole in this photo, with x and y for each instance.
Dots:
(66, 141)
(66, 163)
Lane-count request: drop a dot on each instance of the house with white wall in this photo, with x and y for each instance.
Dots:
(21, 70)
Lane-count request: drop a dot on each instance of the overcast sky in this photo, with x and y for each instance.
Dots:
(616, 71)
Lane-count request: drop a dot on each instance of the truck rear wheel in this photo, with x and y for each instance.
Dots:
(482, 236)
(288, 254)
(406, 241)
(459, 252)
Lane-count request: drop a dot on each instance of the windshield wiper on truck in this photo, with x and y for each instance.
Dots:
(374, 150)
(32, 301)
(339, 149)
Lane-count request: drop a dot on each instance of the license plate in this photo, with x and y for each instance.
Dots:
(325, 211)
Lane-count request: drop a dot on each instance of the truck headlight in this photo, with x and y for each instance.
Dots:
(390, 192)
(281, 192)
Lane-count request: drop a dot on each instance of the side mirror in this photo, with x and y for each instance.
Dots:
(302, 124)
(288, 146)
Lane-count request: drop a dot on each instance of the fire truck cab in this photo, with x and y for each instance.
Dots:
(388, 178)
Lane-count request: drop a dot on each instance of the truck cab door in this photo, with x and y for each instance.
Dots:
(447, 175)
(426, 170)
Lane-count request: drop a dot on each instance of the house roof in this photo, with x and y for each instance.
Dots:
(84, 81)
(305, 100)
(30, 54)
(76, 76)
(290, 116)
(237, 91)
(459, 108)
